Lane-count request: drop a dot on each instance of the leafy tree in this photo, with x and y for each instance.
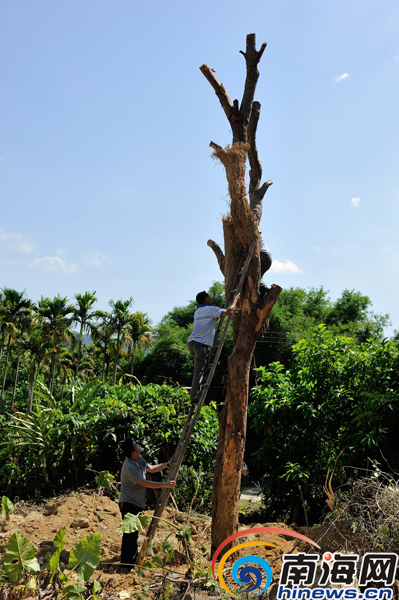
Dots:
(336, 396)
(85, 427)
(169, 359)
(139, 328)
(298, 310)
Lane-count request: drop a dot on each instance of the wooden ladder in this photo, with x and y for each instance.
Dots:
(195, 408)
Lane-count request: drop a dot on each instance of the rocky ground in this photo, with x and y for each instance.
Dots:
(86, 513)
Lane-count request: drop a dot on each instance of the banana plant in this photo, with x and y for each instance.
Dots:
(38, 429)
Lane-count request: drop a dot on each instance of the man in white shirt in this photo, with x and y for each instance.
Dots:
(203, 335)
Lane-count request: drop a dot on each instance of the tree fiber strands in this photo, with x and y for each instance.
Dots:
(234, 159)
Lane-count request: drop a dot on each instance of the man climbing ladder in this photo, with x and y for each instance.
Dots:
(203, 335)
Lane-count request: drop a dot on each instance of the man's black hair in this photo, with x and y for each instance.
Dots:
(128, 446)
(200, 298)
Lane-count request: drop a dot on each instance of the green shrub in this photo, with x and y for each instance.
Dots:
(51, 446)
(337, 396)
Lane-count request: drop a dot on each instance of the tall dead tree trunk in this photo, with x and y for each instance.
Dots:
(240, 227)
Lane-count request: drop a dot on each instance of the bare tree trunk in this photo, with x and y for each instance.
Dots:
(30, 390)
(37, 373)
(115, 369)
(79, 350)
(3, 335)
(16, 379)
(240, 228)
(5, 372)
(52, 374)
(132, 363)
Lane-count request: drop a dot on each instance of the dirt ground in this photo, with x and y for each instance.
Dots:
(77, 512)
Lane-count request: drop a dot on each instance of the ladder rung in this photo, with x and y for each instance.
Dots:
(191, 419)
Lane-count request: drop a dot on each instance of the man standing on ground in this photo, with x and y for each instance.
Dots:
(202, 336)
(133, 489)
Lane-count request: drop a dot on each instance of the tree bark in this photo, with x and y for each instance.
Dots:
(16, 379)
(239, 230)
(30, 391)
(132, 363)
(115, 369)
(240, 227)
(5, 372)
(52, 374)
(3, 335)
(79, 349)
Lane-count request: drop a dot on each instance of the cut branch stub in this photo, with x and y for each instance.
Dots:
(218, 253)
(219, 90)
(234, 160)
(252, 57)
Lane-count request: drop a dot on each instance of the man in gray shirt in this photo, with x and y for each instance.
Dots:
(133, 488)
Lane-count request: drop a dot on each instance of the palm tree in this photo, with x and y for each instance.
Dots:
(56, 326)
(24, 326)
(120, 320)
(88, 365)
(84, 317)
(102, 334)
(2, 325)
(66, 368)
(35, 347)
(140, 334)
(16, 311)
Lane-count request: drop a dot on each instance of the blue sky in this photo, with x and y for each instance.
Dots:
(106, 179)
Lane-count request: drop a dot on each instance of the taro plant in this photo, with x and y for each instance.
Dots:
(6, 508)
(200, 572)
(20, 562)
(20, 558)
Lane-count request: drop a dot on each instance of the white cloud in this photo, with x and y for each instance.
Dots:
(95, 259)
(396, 58)
(355, 202)
(285, 267)
(61, 253)
(316, 248)
(15, 242)
(341, 77)
(54, 264)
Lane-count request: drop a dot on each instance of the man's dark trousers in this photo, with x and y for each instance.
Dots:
(199, 351)
(129, 540)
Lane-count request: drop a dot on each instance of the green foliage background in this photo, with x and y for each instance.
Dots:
(53, 446)
(336, 396)
(327, 382)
